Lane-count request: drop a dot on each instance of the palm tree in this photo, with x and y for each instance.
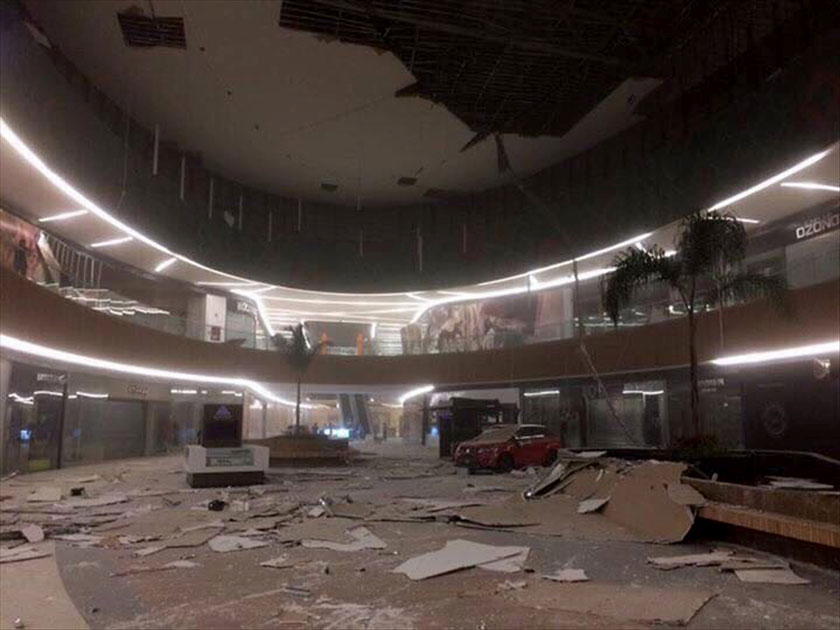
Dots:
(705, 270)
(299, 354)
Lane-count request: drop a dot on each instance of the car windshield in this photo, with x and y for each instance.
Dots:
(496, 435)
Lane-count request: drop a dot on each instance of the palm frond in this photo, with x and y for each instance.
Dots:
(299, 351)
(633, 269)
(747, 286)
(709, 240)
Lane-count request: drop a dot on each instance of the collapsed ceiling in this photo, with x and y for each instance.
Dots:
(536, 67)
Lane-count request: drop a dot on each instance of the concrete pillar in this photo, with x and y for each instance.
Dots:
(5, 377)
(149, 418)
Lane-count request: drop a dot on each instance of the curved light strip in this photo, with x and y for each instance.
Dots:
(783, 353)
(415, 392)
(33, 349)
(769, 182)
(811, 186)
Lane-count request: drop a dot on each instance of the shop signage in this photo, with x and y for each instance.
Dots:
(817, 225)
(138, 389)
(229, 457)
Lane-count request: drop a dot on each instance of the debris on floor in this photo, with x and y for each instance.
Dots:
(224, 543)
(770, 576)
(644, 604)
(566, 575)
(455, 555)
(45, 494)
(33, 533)
(795, 483)
(21, 553)
(712, 558)
(362, 537)
(588, 506)
(280, 562)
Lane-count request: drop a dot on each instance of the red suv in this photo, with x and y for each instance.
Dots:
(508, 447)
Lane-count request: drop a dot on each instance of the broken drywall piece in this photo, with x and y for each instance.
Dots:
(107, 499)
(82, 539)
(591, 505)
(194, 538)
(33, 533)
(512, 585)
(209, 524)
(455, 555)
(316, 512)
(351, 510)
(441, 505)
(640, 502)
(19, 554)
(280, 562)
(624, 603)
(147, 551)
(711, 558)
(45, 494)
(224, 544)
(590, 454)
(513, 564)
(737, 562)
(363, 539)
(566, 575)
(684, 494)
(770, 576)
(793, 483)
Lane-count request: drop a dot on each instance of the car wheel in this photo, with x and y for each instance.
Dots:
(505, 462)
(550, 458)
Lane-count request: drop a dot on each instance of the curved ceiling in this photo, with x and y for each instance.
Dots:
(32, 186)
(288, 111)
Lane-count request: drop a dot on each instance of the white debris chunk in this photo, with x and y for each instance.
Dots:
(567, 575)
(224, 543)
(33, 533)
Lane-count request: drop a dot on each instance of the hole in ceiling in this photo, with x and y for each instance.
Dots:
(406, 181)
(142, 31)
(329, 187)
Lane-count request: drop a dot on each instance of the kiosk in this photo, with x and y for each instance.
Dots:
(220, 458)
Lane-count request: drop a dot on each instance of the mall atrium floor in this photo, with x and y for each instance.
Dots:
(146, 552)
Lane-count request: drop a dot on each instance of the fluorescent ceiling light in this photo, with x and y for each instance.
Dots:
(644, 392)
(811, 186)
(113, 241)
(95, 363)
(183, 391)
(741, 220)
(606, 250)
(769, 182)
(415, 392)
(775, 355)
(373, 331)
(545, 392)
(166, 263)
(63, 215)
(91, 395)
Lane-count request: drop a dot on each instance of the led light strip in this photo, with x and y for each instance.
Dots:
(415, 392)
(769, 182)
(811, 186)
(63, 216)
(776, 355)
(44, 352)
(545, 392)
